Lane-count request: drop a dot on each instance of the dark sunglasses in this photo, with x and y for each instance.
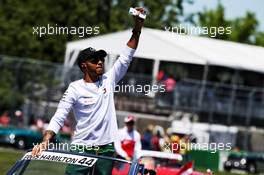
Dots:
(96, 60)
(151, 172)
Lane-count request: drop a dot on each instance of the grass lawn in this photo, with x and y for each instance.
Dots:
(45, 168)
(9, 156)
(220, 173)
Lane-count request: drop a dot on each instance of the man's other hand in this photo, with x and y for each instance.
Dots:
(139, 22)
(37, 150)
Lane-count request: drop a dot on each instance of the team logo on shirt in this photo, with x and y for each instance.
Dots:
(88, 100)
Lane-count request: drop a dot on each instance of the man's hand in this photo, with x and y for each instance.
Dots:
(139, 22)
(37, 150)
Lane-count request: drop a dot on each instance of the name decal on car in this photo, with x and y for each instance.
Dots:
(62, 157)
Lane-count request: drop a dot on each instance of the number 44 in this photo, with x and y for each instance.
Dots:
(88, 162)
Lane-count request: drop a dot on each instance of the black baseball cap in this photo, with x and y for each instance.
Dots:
(90, 53)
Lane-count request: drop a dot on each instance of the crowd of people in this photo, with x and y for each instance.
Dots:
(6, 119)
(153, 138)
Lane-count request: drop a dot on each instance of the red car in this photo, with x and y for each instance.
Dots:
(161, 163)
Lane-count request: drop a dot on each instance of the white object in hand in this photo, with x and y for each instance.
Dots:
(134, 12)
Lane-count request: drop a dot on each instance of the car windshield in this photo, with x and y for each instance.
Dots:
(57, 162)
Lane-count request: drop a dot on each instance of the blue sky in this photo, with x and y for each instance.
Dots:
(233, 8)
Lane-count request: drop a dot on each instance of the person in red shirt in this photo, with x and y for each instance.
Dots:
(4, 119)
(170, 85)
(128, 143)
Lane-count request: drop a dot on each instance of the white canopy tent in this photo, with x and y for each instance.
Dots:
(159, 45)
(167, 46)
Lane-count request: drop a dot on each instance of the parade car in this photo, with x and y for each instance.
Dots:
(160, 163)
(54, 162)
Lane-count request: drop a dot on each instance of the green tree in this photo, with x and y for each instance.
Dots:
(17, 19)
(214, 18)
(10, 98)
(260, 38)
(243, 28)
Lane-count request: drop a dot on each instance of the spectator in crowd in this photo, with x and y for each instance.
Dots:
(128, 143)
(149, 165)
(146, 139)
(38, 125)
(175, 141)
(19, 118)
(166, 141)
(161, 76)
(66, 127)
(4, 119)
(170, 85)
(157, 138)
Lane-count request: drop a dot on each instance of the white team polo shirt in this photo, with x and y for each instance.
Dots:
(93, 105)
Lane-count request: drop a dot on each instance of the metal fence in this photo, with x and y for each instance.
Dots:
(41, 85)
(32, 86)
(222, 99)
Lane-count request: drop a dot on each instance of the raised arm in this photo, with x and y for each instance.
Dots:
(121, 65)
(133, 42)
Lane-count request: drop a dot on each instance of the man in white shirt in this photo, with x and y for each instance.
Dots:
(128, 143)
(92, 102)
